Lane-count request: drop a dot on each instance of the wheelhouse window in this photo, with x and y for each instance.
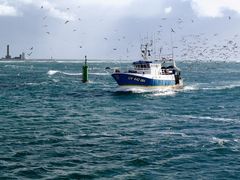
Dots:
(142, 66)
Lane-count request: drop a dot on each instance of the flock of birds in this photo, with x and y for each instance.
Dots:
(198, 47)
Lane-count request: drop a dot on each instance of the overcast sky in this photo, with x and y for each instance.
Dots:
(114, 29)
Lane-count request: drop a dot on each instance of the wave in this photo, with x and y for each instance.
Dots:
(164, 93)
(100, 74)
(14, 66)
(223, 87)
(208, 118)
(35, 84)
(173, 133)
(192, 87)
(148, 92)
(219, 141)
(52, 72)
(206, 87)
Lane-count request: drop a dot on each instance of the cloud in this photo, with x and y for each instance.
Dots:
(214, 8)
(55, 12)
(110, 3)
(6, 10)
(168, 10)
(52, 8)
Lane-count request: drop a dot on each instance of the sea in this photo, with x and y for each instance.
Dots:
(53, 126)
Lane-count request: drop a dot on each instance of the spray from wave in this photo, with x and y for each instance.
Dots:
(53, 72)
(150, 92)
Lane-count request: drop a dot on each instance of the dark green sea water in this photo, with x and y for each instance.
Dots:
(54, 127)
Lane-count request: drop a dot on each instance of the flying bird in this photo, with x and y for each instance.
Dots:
(66, 22)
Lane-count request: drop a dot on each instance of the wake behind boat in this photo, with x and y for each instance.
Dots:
(156, 74)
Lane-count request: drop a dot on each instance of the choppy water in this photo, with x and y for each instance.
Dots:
(55, 127)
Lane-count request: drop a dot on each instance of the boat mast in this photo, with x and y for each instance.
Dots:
(172, 31)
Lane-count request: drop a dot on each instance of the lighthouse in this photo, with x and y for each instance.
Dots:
(8, 55)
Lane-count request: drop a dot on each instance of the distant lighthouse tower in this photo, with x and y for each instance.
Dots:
(8, 55)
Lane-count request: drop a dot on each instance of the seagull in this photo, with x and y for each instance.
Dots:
(29, 54)
(66, 22)
(229, 17)
(31, 48)
(48, 32)
(106, 38)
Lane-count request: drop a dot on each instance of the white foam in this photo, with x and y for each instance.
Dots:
(190, 87)
(164, 93)
(52, 72)
(236, 140)
(173, 133)
(35, 84)
(222, 87)
(151, 92)
(211, 86)
(71, 74)
(219, 141)
(131, 89)
(208, 118)
(100, 74)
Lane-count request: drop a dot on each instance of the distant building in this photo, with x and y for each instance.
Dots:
(23, 56)
(8, 56)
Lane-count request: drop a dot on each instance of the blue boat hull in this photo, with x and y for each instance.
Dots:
(124, 79)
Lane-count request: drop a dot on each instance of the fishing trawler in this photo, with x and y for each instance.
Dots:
(156, 74)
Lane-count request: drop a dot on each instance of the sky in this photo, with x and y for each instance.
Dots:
(115, 29)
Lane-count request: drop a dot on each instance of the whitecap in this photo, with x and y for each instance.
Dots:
(190, 87)
(208, 118)
(35, 84)
(222, 87)
(71, 74)
(164, 93)
(173, 133)
(52, 72)
(100, 74)
(219, 141)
